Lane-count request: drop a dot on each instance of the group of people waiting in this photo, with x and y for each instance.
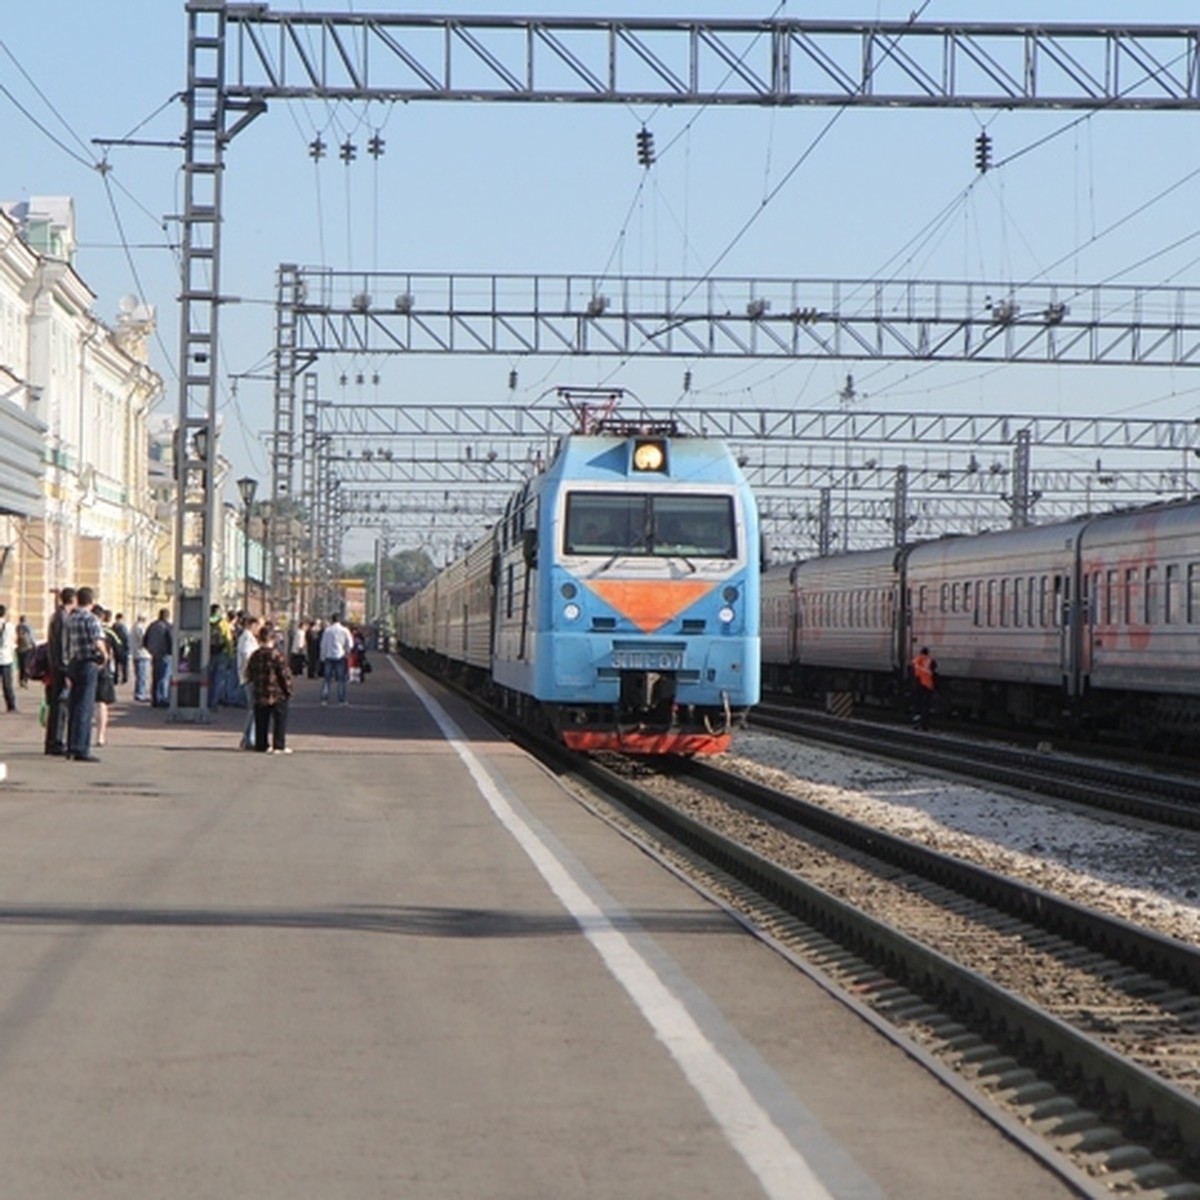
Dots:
(89, 651)
(86, 654)
(265, 674)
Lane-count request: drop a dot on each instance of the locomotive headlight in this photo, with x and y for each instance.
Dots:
(649, 456)
(571, 612)
(725, 615)
(730, 594)
(568, 590)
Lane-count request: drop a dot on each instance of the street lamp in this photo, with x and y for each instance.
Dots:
(246, 489)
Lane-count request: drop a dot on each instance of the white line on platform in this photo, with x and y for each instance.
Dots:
(781, 1169)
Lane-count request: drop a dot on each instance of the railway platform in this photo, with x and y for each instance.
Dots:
(404, 961)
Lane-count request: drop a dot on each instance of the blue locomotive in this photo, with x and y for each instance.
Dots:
(616, 602)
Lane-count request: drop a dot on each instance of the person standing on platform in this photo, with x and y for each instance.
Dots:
(160, 641)
(58, 681)
(312, 647)
(220, 655)
(297, 646)
(120, 649)
(106, 674)
(924, 687)
(247, 644)
(8, 659)
(141, 659)
(25, 644)
(271, 686)
(336, 644)
(88, 650)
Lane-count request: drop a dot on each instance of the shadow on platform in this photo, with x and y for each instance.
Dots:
(406, 920)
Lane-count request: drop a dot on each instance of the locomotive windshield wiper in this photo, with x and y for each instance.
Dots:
(691, 566)
(639, 544)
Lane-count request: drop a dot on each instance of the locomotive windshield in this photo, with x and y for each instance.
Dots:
(649, 523)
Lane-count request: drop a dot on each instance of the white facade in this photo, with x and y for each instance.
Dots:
(91, 389)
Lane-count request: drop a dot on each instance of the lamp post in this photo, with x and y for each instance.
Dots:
(246, 489)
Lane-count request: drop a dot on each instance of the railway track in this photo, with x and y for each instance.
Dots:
(1161, 798)
(1083, 1029)
(1076, 1032)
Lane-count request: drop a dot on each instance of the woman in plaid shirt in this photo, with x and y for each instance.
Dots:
(271, 686)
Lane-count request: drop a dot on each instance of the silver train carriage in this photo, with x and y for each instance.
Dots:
(1092, 623)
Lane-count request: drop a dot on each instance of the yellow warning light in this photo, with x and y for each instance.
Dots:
(649, 456)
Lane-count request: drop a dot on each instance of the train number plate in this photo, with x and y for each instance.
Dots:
(648, 660)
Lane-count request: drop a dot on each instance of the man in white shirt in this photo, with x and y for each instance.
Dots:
(8, 656)
(336, 644)
(247, 643)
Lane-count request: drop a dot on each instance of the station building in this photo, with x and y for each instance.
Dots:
(76, 501)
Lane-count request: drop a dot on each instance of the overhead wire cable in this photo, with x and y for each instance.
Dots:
(116, 216)
(1096, 237)
(764, 203)
(42, 96)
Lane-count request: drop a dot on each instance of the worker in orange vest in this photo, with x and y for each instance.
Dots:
(924, 685)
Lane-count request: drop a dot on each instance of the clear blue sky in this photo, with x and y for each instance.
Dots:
(557, 188)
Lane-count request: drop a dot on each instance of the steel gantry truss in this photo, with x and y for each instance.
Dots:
(410, 312)
(242, 55)
(824, 479)
(658, 60)
(389, 312)
(473, 423)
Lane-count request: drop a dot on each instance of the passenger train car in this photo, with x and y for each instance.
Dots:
(616, 602)
(1092, 623)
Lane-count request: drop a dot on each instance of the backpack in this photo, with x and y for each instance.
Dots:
(38, 666)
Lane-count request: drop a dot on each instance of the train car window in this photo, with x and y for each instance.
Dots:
(1018, 606)
(1132, 590)
(921, 593)
(969, 601)
(1152, 613)
(1112, 598)
(1172, 611)
(1193, 602)
(509, 591)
